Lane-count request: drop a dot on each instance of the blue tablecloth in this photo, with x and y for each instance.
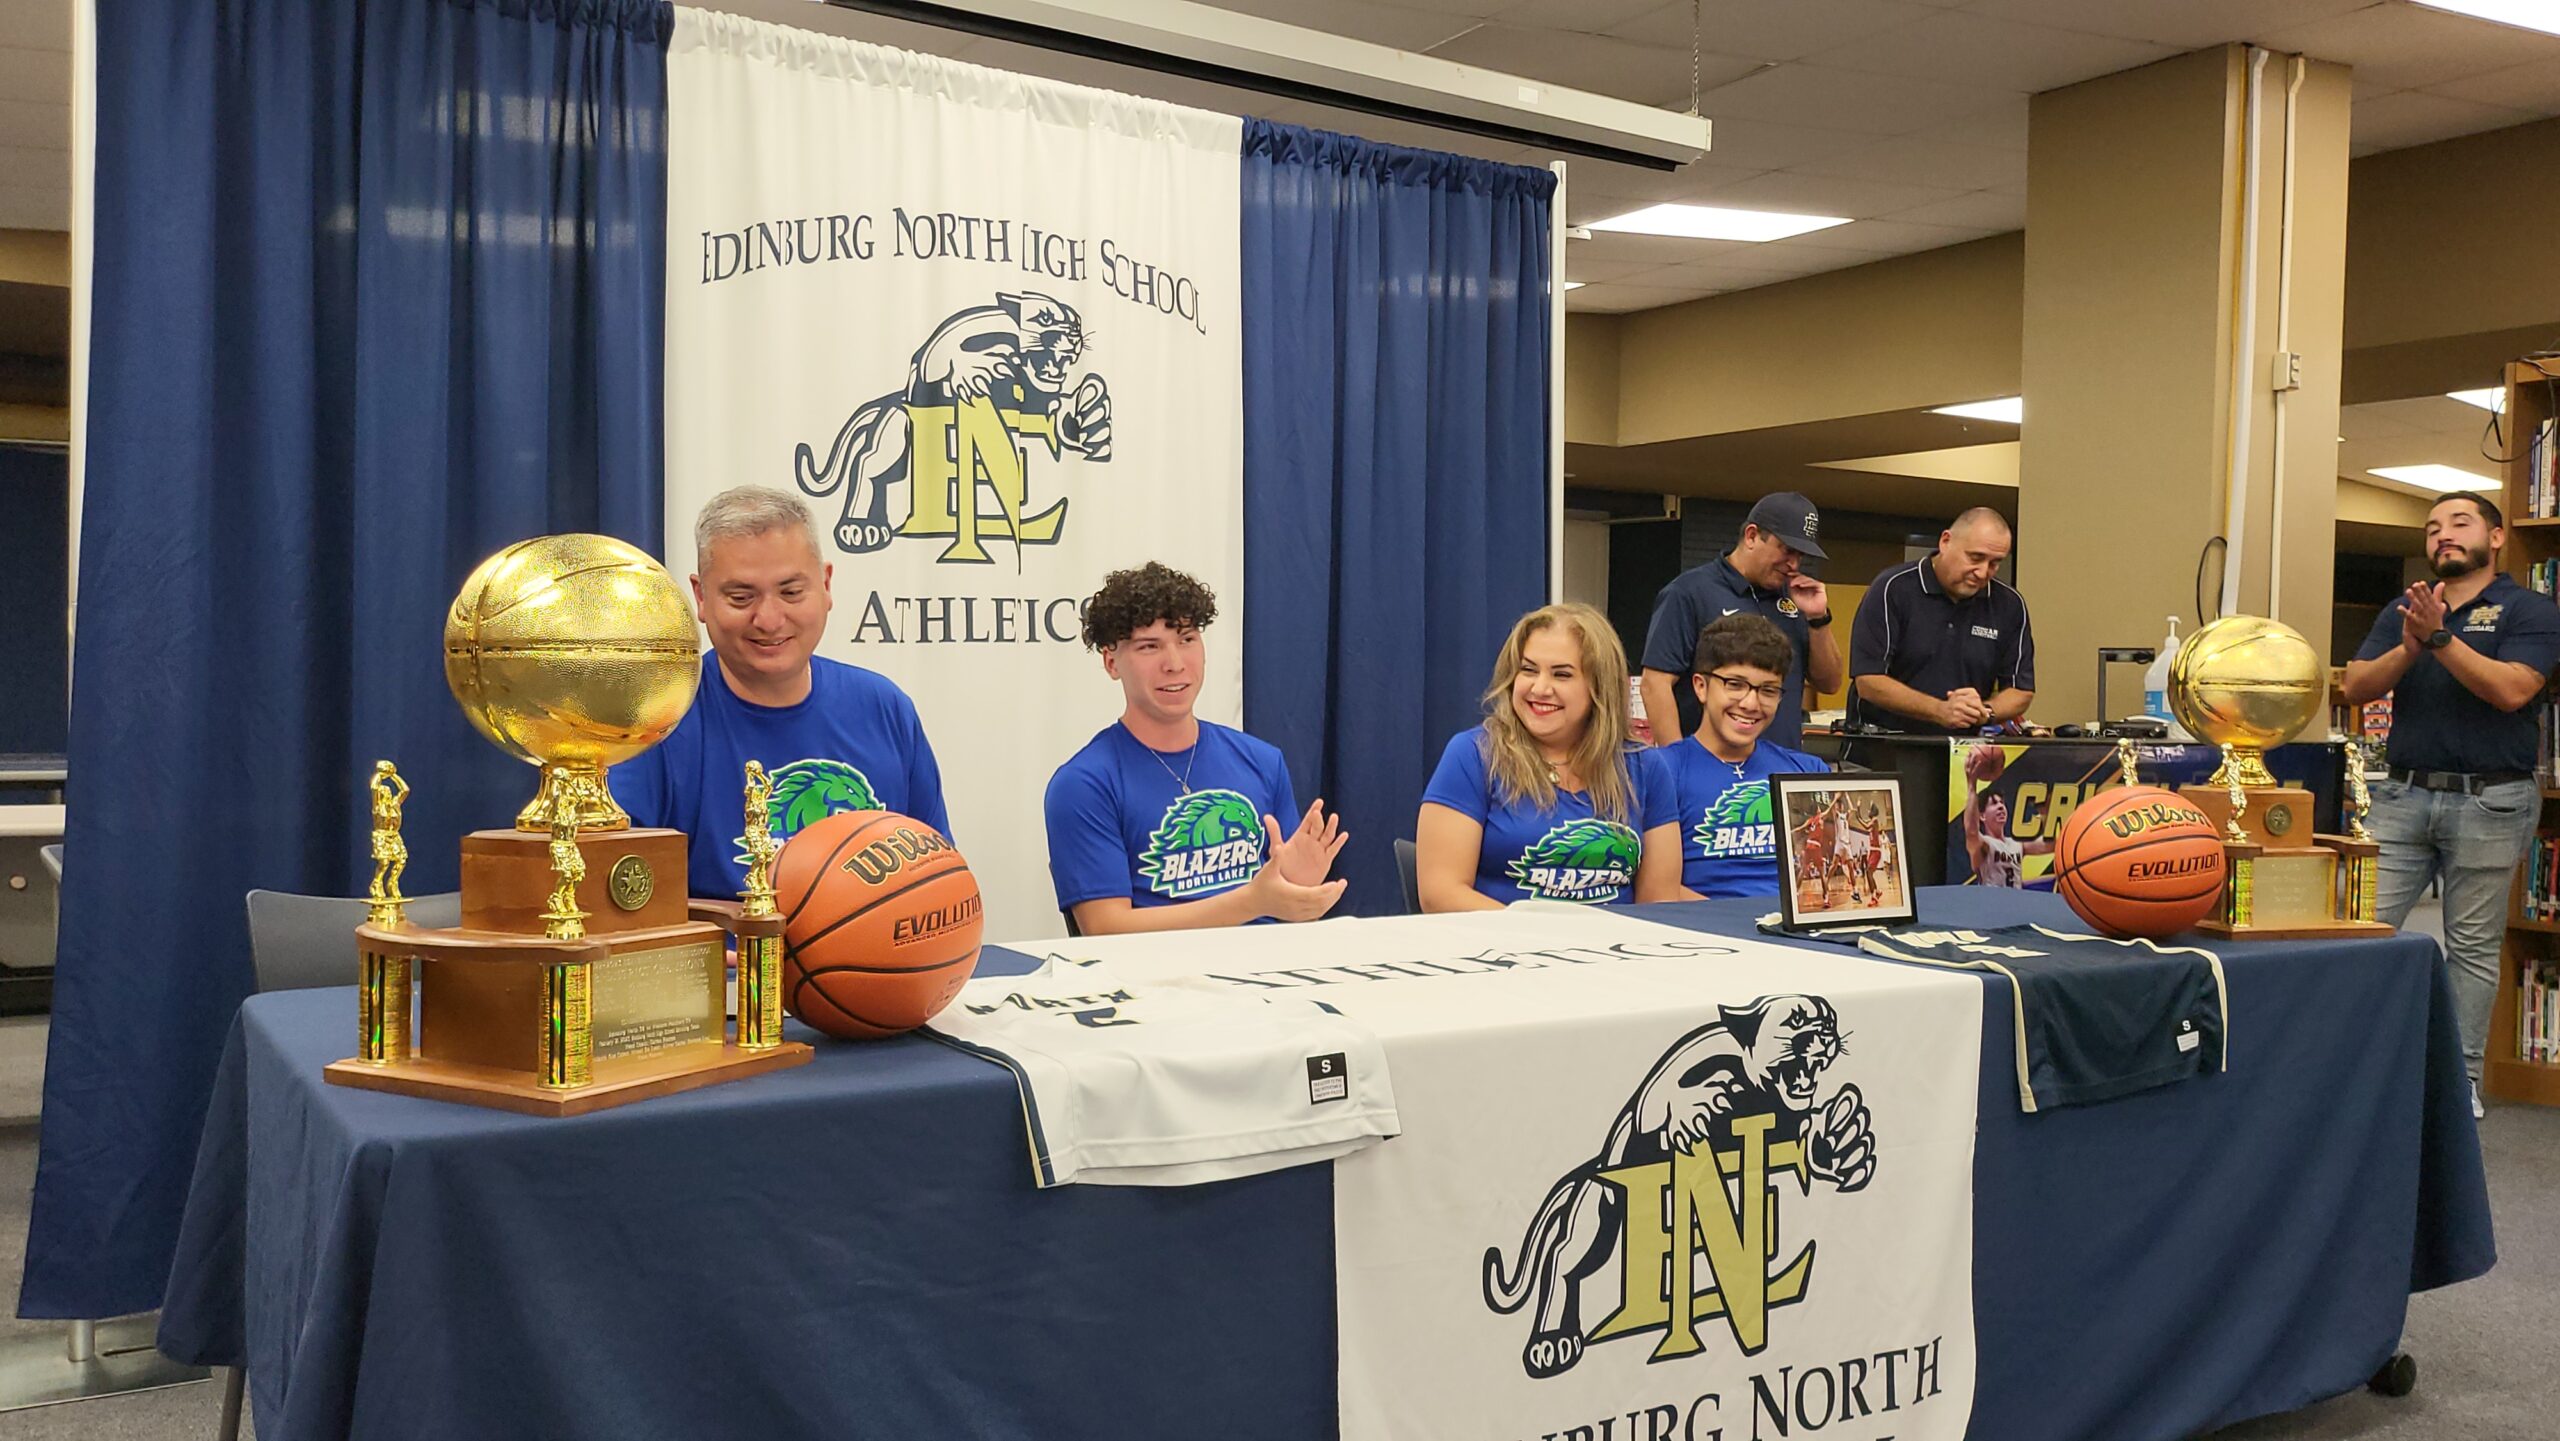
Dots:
(854, 1248)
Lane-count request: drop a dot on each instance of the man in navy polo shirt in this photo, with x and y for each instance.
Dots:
(1941, 646)
(1762, 575)
(2463, 659)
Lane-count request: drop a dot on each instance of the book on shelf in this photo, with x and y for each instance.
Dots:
(2538, 1014)
(2542, 472)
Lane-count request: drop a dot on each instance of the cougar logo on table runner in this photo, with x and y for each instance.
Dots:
(1207, 842)
(1682, 1192)
(1581, 860)
(808, 791)
(1738, 824)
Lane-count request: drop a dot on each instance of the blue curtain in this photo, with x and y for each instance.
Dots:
(1396, 340)
(378, 290)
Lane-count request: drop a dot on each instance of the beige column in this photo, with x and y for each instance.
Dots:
(2151, 388)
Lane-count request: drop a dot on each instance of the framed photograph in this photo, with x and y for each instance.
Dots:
(1843, 855)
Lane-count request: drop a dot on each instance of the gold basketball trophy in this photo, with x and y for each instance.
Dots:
(2248, 685)
(576, 980)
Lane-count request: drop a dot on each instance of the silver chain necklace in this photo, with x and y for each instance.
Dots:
(1183, 780)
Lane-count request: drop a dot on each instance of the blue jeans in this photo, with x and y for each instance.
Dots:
(2472, 844)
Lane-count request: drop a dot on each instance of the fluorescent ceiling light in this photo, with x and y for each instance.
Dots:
(1575, 284)
(2010, 409)
(2523, 14)
(2434, 477)
(2487, 397)
(1714, 222)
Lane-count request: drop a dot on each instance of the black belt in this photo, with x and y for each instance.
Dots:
(2470, 783)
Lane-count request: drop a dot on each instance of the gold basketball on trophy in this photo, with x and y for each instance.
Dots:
(572, 652)
(2247, 684)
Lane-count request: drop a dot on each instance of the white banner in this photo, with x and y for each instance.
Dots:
(1578, 1088)
(989, 327)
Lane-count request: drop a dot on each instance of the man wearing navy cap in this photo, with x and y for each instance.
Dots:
(2463, 659)
(1762, 575)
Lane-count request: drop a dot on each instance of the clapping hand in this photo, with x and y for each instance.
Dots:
(2421, 614)
(1307, 856)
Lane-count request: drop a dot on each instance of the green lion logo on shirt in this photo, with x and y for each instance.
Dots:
(1582, 860)
(1738, 824)
(1207, 842)
(806, 792)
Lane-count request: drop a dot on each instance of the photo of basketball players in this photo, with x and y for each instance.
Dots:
(1844, 853)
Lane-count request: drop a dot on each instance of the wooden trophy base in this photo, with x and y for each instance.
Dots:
(650, 1014)
(2295, 878)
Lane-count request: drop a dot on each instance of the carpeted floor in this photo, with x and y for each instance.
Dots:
(2488, 1351)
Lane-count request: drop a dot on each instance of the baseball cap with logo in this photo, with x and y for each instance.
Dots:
(1792, 519)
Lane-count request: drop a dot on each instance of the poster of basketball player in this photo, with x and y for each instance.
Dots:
(1843, 849)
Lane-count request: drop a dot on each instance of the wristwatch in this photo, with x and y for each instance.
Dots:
(2439, 640)
(1818, 622)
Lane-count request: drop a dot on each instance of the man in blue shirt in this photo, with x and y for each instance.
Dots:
(1762, 575)
(1940, 645)
(833, 737)
(2463, 659)
(1165, 821)
(1720, 776)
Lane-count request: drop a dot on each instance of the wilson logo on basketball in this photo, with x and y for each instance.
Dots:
(2125, 825)
(889, 855)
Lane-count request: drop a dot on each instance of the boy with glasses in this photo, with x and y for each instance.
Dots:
(1720, 775)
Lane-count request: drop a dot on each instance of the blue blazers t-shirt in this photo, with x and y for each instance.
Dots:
(853, 744)
(1728, 835)
(1156, 828)
(1564, 853)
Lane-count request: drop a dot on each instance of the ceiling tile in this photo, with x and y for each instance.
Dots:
(1650, 249)
(1915, 160)
(2404, 46)
(1632, 297)
(2001, 127)
(1801, 94)
(36, 24)
(1578, 266)
(1646, 74)
(27, 208)
(35, 75)
(2372, 422)
(2414, 117)
(1984, 209)
(2179, 24)
(1399, 26)
(2533, 87)
(2429, 415)
(35, 168)
(1828, 195)
(1767, 145)
(1976, 50)
(1589, 17)
(1888, 237)
(36, 125)
(1721, 275)
(1626, 187)
(1771, 29)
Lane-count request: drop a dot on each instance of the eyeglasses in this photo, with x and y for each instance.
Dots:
(1773, 694)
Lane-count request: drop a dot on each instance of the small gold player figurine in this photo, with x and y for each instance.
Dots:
(2126, 773)
(562, 918)
(390, 853)
(2231, 830)
(759, 842)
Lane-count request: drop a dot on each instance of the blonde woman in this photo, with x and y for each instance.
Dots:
(1543, 801)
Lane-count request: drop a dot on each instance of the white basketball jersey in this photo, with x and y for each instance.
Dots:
(2003, 862)
(1170, 1083)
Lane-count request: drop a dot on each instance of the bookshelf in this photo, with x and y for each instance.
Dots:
(2521, 1060)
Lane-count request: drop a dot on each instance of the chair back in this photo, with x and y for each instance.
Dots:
(297, 942)
(1405, 872)
(52, 856)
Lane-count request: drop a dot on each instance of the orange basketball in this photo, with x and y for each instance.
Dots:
(2139, 861)
(881, 923)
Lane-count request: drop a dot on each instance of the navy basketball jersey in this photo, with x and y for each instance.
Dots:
(2094, 1018)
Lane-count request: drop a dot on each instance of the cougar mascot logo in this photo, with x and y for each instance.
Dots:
(1014, 357)
(1582, 860)
(1733, 1098)
(1207, 841)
